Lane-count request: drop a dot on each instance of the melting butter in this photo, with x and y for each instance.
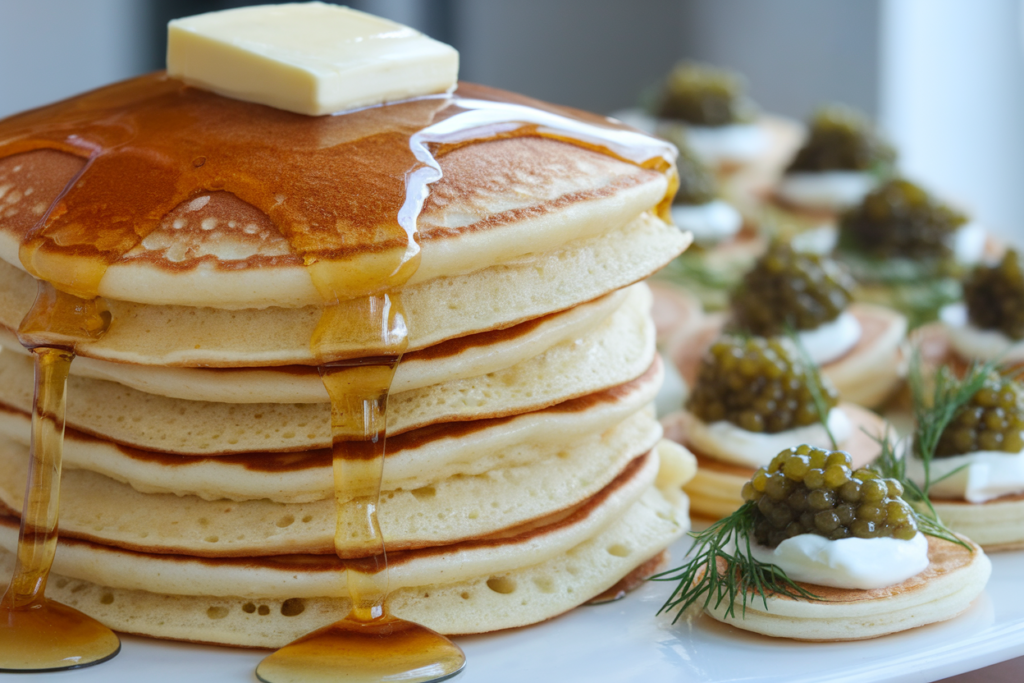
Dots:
(309, 58)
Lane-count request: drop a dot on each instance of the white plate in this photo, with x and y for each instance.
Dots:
(624, 641)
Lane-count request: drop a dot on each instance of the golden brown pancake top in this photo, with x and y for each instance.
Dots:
(331, 187)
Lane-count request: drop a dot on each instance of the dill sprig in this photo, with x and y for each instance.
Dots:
(813, 384)
(931, 416)
(892, 465)
(743, 576)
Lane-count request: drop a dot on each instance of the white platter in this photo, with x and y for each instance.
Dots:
(625, 642)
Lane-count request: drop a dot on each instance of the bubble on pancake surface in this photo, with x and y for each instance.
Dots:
(808, 490)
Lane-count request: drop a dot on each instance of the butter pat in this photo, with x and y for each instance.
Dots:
(309, 58)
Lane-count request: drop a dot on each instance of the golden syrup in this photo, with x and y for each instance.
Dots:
(37, 634)
(380, 649)
(369, 644)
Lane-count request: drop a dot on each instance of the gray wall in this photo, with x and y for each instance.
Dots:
(50, 49)
(796, 54)
(592, 54)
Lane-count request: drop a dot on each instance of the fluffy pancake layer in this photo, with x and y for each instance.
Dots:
(619, 350)
(470, 356)
(497, 201)
(994, 525)
(414, 459)
(523, 577)
(443, 308)
(442, 511)
(954, 577)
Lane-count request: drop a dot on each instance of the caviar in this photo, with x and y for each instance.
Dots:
(995, 296)
(900, 220)
(991, 421)
(697, 184)
(705, 96)
(843, 139)
(790, 288)
(757, 384)
(808, 490)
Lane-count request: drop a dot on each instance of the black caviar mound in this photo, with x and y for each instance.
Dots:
(808, 490)
(702, 95)
(790, 289)
(757, 384)
(995, 296)
(842, 139)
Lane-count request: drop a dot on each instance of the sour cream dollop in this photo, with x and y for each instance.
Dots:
(826, 190)
(710, 223)
(726, 442)
(715, 145)
(821, 240)
(975, 343)
(856, 563)
(986, 475)
(968, 243)
(831, 340)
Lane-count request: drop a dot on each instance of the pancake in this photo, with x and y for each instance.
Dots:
(461, 358)
(675, 310)
(496, 201)
(866, 375)
(470, 588)
(874, 368)
(952, 580)
(437, 310)
(715, 490)
(441, 511)
(995, 525)
(413, 459)
(620, 350)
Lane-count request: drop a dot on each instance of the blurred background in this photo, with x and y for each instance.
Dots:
(944, 78)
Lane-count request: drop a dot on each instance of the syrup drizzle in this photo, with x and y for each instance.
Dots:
(345, 191)
(37, 634)
(369, 644)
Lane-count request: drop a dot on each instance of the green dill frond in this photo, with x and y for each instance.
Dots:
(949, 395)
(814, 385)
(891, 464)
(701, 580)
(932, 414)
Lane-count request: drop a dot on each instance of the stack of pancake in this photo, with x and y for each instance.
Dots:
(524, 471)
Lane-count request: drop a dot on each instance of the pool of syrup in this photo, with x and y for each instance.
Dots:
(345, 191)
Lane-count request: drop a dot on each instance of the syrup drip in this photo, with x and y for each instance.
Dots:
(345, 191)
(37, 634)
(369, 644)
